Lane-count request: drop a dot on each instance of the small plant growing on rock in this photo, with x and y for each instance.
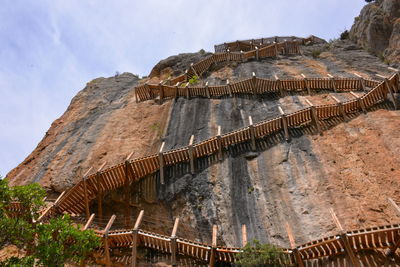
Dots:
(202, 51)
(256, 254)
(344, 35)
(194, 80)
(316, 53)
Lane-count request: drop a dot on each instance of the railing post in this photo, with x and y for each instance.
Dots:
(306, 85)
(244, 235)
(127, 192)
(242, 56)
(285, 124)
(135, 235)
(360, 101)
(173, 242)
(392, 250)
(88, 222)
(161, 162)
(228, 56)
(100, 192)
(253, 83)
(187, 90)
(229, 88)
(279, 86)
(276, 49)
(252, 134)
(213, 246)
(207, 90)
(392, 98)
(219, 141)
(341, 109)
(257, 54)
(146, 85)
(85, 192)
(161, 88)
(105, 236)
(333, 82)
(314, 116)
(295, 251)
(176, 89)
(361, 79)
(345, 241)
(191, 154)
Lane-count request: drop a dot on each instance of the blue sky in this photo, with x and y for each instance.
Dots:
(50, 49)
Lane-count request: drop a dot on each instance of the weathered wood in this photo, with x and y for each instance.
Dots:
(100, 192)
(105, 236)
(228, 57)
(253, 83)
(88, 223)
(391, 94)
(279, 85)
(244, 235)
(213, 246)
(191, 154)
(85, 192)
(219, 141)
(284, 123)
(257, 54)
(252, 134)
(336, 220)
(194, 71)
(161, 88)
(314, 116)
(360, 101)
(292, 241)
(276, 49)
(161, 162)
(333, 82)
(361, 79)
(306, 85)
(127, 193)
(242, 56)
(395, 206)
(187, 90)
(341, 109)
(135, 233)
(229, 88)
(207, 90)
(173, 242)
(349, 250)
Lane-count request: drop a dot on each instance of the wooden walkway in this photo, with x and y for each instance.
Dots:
(95, 184)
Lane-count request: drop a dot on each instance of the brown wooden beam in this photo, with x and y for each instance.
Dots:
(173, 242)
(161, 162)
(306, 85)
(191, 154)
(333, 82)
(284, 123)
(253, 83)
(295, 251)
(314, 116)
(127, 192)
(135, 233)
(244, 235)
(89, 221)
(341, 109)
(213, 246)
(360, 101)
(105, 236)
(252, 134)
(207, 90)
(219, 141)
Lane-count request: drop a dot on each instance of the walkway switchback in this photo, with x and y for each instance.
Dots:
(93, 186)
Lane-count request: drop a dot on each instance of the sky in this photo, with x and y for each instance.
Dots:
(50, 49)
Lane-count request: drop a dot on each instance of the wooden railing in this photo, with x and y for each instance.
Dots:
(76, 199)
(173, 87)
(344, 242)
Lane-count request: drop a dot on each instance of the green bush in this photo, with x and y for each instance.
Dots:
(193, 80)
(316, 53)
(47, 244)
(256, 254)
(344, 35)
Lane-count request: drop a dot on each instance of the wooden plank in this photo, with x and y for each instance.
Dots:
(314, 116)
(173, 242)
(213, 246)
(349, 250)
(306, 84)
(105, 236)
(88, 222)
(337, 222)
(341, 109)
(244, 235)
(292, 241)
(219, 141)
(252, 135)
(161, 162)
(391, 98)
(360, 101)
(85, 192)
(285, 124)
(253, 83)
(191, 154)
(135, 233)
(395, 206)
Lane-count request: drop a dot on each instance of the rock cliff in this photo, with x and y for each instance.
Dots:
(377, 29)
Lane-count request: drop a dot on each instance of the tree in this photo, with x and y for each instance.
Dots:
(256, 254)
(44, 244)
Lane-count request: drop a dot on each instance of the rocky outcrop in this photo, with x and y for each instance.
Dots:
(377, 29)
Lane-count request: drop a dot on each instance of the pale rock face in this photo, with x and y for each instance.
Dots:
(376, 29)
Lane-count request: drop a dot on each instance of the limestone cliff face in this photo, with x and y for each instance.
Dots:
(377, 29)
(351, 168)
